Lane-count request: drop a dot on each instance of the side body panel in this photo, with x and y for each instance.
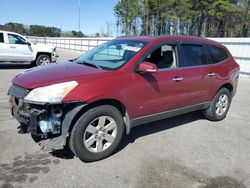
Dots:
(4, 49)
(19, 52)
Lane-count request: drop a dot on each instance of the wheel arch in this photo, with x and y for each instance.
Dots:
(41, 53)
(113, 102)
(229, 86)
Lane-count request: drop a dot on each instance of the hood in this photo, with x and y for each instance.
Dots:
(55, 73)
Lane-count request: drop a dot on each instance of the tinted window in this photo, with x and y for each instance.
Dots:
(15, 39)
(216, 54)
(194, 55)
(1, 38)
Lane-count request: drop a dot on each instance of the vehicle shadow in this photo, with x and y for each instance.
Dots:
(142, 130)
(15, 66)
(157, 126)
(65, 153)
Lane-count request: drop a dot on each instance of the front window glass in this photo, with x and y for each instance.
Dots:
(164, 57)
(111, 55)
(15, 39)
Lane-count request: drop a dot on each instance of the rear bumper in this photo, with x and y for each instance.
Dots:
(235, 80)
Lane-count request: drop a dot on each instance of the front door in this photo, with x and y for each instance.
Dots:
(160, 91)
(19, 50)
(4, 50)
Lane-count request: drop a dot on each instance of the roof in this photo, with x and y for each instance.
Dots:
(2, 31)
(135, 38)
(171, 38)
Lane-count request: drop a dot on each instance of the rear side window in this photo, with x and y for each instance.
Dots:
(194, 55)
(1, 38)
(216, 54)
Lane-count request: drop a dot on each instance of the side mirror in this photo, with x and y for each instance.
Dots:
(28, 43)
(147, 67)
(118, 47)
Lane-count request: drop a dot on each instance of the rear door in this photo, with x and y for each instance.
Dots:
(18, 48)
(197, 74)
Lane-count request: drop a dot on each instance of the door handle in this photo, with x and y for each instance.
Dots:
(177, 79)
(12, 47)
(211, 74)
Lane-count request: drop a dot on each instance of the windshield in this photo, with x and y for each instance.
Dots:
(111, 55)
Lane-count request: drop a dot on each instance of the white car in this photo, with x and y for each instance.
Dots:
(15, 48)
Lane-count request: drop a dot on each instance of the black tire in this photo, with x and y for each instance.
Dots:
(39, 59)
(210, 113)
(76, 143)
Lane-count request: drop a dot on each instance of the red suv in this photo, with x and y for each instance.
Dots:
(89, 103)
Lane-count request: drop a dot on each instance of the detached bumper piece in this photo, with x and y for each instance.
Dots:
(48, 123)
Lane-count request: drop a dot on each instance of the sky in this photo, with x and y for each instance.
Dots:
(60, 13)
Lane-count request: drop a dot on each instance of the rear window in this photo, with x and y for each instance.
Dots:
(1, 38)
(194, 55)
(216, 54)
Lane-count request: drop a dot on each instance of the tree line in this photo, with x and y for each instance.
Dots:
(39, 30)
(208, 18)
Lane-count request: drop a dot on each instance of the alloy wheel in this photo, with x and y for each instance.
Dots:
(221, 105)
(44, 61)
(100, 134)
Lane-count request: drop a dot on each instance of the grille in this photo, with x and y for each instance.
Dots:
(17, 91)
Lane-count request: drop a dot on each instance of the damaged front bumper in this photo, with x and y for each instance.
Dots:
(48, 123)
(54, 55)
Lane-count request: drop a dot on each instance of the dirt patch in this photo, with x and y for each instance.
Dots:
(224, 182)
(25, 168)
(166, 173)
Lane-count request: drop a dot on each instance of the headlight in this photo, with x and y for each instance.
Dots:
(52, 93)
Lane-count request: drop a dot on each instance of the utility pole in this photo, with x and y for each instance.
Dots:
(61, 28)
(79, 15)
(117, 26)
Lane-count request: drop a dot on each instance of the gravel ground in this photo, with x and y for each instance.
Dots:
(184, 151)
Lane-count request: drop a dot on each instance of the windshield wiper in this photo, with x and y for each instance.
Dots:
(90, 64)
